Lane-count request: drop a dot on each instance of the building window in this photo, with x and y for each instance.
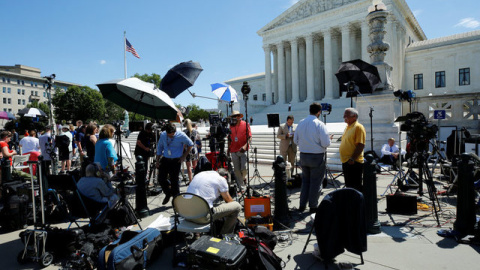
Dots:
(8, 80)
(18, 81)
(36, 93)
(418, 81)
(23, 82)
(23, 91)
(4, 109)
(19, 102)
(264, 97)
(9, 101)
(23, 101)
(464, 76)
(31, 93)
(4, 90)
(439, 79)
(255, 97)
(43, 86)
(19, 91)
(9, 110)
(31, 84)
(9, 90)
(3, 79)
(4, 100)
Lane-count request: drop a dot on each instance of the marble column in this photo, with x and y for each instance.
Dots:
(346, 43)
(281, 72)
(288, 73)
(365, 41)
(295, 88)
(268, 73)
(328, 53)
(310, 73)
(275, 75)
(317, 69)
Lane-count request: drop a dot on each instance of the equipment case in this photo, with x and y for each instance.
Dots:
(213, 253)
(258, 212)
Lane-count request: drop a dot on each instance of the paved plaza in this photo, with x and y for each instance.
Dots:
(405, 242)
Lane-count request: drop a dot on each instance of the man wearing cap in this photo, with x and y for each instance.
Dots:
(238, 144)
(46, 147)
(65, 153)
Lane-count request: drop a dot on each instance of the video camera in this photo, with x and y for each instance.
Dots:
(219, 126)
(326, 108)
(419, 130)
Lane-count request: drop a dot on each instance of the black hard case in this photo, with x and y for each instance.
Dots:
(213, 253)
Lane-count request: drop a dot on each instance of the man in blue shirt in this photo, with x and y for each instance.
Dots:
(312, 139)
(172, 147)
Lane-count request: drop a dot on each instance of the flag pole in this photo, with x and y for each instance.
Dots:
(125, 52)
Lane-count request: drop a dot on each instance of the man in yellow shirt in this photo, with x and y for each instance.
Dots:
(351, 150)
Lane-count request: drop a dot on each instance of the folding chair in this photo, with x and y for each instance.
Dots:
(340, 224)
(19, 162)
(192, 215)
(78, 205)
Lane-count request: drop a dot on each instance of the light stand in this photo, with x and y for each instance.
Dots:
(123, 197)
(50, 82)
(245, 91)
(370, 114)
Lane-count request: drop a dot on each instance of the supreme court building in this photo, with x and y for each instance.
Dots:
(305, 45)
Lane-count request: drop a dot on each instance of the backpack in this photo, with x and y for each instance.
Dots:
(62, 141)
(260, 256)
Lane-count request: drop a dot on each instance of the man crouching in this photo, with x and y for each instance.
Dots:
(210, 185)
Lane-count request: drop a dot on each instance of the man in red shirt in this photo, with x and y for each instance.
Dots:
(238, 144)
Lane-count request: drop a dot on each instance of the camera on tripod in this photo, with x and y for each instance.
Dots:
(326, 108)
(219, 126)
(419, 131)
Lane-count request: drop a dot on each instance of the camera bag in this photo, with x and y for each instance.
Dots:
(133, 250)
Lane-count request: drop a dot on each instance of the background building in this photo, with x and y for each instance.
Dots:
(21, 85)
(305, 45)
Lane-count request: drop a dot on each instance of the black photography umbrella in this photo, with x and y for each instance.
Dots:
(364, 75)
(31, 112)
(180, 77)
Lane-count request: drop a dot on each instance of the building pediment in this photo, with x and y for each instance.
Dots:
(304, 9)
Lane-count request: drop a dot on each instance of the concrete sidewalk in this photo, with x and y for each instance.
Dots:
(406, 242)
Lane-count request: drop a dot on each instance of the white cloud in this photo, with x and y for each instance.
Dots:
(103, 62)
(468, 23)
(417, 12)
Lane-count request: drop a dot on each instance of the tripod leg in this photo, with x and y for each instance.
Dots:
(308, 239)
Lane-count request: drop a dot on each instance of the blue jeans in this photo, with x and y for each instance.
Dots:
(313, 172)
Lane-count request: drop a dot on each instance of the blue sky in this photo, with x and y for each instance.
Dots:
(82, 41)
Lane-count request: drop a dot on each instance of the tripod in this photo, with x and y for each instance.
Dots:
(328, 173)
(122, 175)
(424, 173)
(256, 173)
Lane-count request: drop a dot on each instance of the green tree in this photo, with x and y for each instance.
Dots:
(195, 113)
(78, 103)
(153, 78)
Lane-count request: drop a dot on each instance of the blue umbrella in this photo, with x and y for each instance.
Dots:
(224, 92)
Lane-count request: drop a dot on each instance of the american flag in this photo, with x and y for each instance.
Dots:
(131, 49)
